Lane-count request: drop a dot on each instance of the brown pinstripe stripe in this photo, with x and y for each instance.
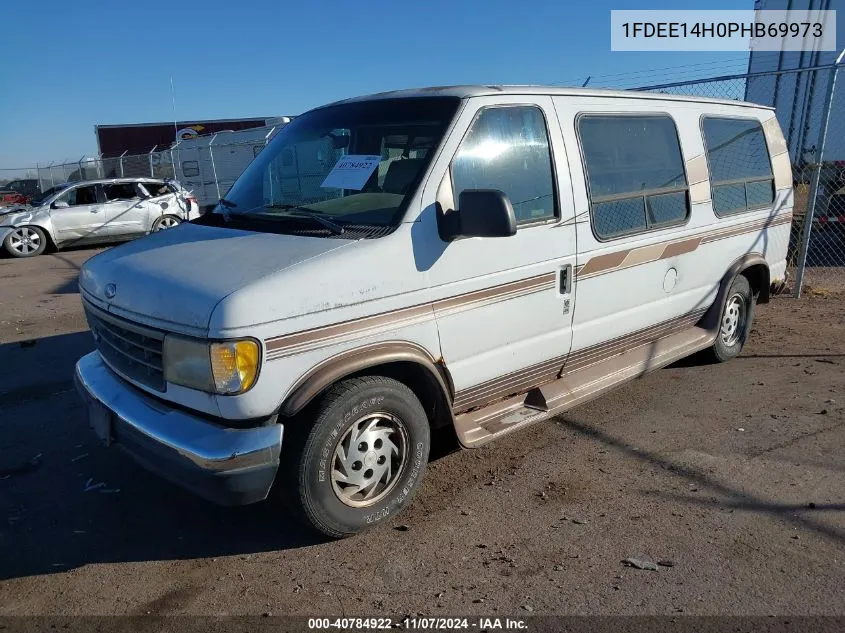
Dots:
(608, 262)
(604, 262)
(599, 352)
(505, 291)
(510, 383)
(680, 248)
(286, 345)
(535, 375)
(785, 218)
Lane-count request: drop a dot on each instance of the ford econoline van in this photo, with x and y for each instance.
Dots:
(480, 257)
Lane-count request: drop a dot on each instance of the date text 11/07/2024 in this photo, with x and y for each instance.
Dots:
(417, 624)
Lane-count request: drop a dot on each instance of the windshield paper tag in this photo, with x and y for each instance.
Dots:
(351, 172)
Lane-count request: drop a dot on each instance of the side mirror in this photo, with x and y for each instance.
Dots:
(59, 204)
(480, 213)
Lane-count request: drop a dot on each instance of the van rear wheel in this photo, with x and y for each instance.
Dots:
(361, 460)
(735, 322)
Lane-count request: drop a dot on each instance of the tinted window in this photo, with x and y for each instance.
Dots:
(740, 169)
(635, 172)
(80, 195)
(507, 148)
(120, 191)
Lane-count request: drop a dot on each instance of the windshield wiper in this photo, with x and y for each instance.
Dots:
(311, 214)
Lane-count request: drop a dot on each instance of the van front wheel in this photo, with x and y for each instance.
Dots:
(735, 323)
(363, 457)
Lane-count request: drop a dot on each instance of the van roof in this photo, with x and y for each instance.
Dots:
(487, 90)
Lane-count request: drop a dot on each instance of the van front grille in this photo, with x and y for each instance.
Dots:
(132, 350)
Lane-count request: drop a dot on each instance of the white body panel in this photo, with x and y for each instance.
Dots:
(217, 283)
(518, 332)
(633, 297)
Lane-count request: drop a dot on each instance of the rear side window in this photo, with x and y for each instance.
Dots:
(635, 173)
(740, 170)
(120, 191)
(156, 189)
(507, 148)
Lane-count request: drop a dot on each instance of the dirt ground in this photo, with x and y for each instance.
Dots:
(731, 476)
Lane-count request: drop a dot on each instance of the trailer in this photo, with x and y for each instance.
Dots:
(209, 165)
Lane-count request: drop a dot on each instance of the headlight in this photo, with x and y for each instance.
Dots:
(234, 365)
(226, 367)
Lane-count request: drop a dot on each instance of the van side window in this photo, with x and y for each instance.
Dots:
(507, 148)
(635, 173)
(740, 169)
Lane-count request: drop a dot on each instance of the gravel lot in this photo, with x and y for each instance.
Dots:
(734, 474)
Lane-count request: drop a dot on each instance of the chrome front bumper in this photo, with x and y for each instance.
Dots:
(225, 465)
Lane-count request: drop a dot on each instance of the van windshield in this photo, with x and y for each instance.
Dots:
(352, 164)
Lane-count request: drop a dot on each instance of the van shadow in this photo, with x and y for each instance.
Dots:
(67, 501)
(724, 495)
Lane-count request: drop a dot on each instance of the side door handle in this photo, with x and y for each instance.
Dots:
(565, 280)
(565, 287)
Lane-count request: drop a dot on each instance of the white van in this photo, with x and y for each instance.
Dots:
(481, 257)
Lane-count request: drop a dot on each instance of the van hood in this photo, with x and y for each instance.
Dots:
(177, 277)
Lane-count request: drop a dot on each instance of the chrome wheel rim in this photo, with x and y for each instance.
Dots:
(167, 223)
(369, 459)
(24, 241)
(733, 320)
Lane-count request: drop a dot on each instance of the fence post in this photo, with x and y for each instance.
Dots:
(150, 154)
(807, 229)
(52, 182)
(121, 162)
(213, 166)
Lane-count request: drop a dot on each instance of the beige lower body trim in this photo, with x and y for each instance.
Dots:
(577, 386)
(549, 370)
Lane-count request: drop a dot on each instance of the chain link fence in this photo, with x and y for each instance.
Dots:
(206, 165)
(810, 104)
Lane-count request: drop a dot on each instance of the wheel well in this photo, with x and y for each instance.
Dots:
(419, 380)
(51, 243)
(413, 375)
(758, 276)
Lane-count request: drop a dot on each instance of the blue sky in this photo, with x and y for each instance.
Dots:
(71, 65)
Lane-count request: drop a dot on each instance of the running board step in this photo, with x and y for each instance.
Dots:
(478, 427)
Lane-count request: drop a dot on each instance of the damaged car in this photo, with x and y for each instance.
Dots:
(95, 212)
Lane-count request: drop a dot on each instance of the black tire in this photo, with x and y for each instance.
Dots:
(730, 341)
(312, 487)
(25, 241)
(166, 222)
